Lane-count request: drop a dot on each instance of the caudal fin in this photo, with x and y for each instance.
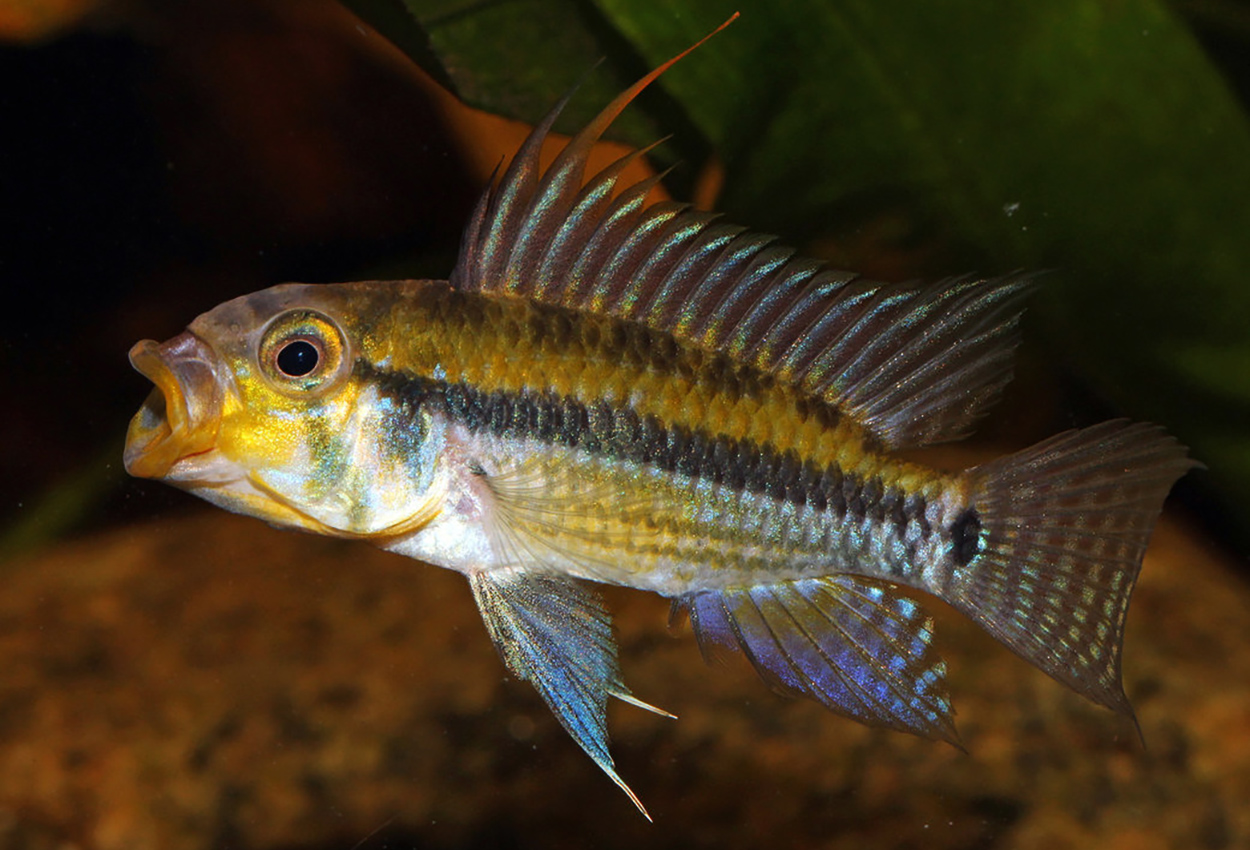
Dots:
(1060, 531)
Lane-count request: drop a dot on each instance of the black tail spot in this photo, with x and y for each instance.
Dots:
(966, 536)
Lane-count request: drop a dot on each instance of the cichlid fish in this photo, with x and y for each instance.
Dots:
(638, 394)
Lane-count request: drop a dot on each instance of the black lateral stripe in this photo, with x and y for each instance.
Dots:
(622, 434)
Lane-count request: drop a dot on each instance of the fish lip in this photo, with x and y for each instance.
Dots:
(181, 416)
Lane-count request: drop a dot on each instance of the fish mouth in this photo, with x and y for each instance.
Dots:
(181, 416)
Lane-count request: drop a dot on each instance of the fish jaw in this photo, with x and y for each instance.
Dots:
(182, 414)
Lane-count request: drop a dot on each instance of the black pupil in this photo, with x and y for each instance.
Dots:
(298, 358)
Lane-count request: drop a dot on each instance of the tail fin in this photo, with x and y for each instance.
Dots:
(1059, 534)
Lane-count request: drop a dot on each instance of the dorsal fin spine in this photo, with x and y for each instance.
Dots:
(707, 244)
(703, 313)
(510, 201)
(591, 133)
(912, 365)
(519, 194)
(721, 305)
(603, 242)
(808, 343)
(594, 198)
(668, 249)
(773, 271)
(789, 304)
(633, 251)
(761, 262)
(701, 255)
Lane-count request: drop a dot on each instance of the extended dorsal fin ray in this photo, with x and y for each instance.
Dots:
(914, 364)
(513, 223)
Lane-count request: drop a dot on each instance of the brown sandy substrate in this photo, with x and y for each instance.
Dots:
(210, 682)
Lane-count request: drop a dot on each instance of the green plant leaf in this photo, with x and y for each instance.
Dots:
(1088, 137)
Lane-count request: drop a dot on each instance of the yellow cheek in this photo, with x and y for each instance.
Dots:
(258, 438)
(261, 427)
(264, 429)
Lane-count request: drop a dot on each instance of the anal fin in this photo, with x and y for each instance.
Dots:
(555, 633)
(853, 644)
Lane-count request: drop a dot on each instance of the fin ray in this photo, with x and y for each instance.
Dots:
(914, 364)
(556, 634)
(851, 643)
(1065, 525)
(547, 513)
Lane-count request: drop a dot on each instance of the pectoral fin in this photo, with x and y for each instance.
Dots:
(555, 633)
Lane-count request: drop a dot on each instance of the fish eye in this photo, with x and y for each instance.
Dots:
(302, 351)
(297, 358)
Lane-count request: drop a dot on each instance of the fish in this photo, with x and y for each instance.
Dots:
(615, 390)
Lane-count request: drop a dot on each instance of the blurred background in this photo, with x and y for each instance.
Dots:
(181, 678)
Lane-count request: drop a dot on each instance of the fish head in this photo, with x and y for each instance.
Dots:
(263, 407)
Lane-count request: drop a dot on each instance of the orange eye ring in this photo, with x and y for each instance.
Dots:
(302, 352)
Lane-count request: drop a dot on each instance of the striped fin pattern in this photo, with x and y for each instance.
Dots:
(1061, 529)
(555, 634)
(913, 364)
(853, 644)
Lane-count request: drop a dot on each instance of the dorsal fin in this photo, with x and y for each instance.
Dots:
(914, 364)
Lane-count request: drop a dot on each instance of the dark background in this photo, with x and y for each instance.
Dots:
(157, 159)
(157, 162)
